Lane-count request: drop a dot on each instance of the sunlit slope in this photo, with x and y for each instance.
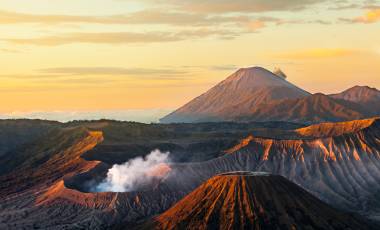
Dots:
(256, 94)
(237, 95)
(367, 97)
(249, 201)
(338, 163)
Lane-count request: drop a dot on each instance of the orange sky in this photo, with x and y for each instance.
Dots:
(114, 55)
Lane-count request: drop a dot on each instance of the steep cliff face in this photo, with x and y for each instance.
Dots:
(253, 201)
(39, 170)
(36, 189)
(52, 157)
(342, 169)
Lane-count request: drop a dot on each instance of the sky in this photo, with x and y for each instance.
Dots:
(123, 58)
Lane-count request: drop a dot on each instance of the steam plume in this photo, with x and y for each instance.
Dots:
(135, 173)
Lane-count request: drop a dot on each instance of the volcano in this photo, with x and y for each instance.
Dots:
(246, 200)
(237, 95)
(256, 94)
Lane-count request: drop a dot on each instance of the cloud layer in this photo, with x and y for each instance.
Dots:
(227, 6)
(316, 53)
(137, 115)
(371, 16)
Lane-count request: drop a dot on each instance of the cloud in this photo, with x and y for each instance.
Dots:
(93, 76)
(371, 16)
(113, 38)
(253, 26)
(72, 77)
(122, 37)
(149, 16)
(111, 71)
(177, 13)
(345, 6)
(139, 17)
(5, 50)
(242, 6)
(321, 22)
(137, 115)
(223, 67)
(316, 53)
(372, 7)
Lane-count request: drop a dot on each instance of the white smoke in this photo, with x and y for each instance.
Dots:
(135, 173)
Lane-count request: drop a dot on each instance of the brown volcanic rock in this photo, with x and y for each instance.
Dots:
(36, 188)
(331, 129)
(253, 201)
(359, 94)
(338, 164)
(367, 97)
(313, 109)
(37, 173)
(48, 160)
(238, 94)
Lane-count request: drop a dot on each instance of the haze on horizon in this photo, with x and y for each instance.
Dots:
(152, 55)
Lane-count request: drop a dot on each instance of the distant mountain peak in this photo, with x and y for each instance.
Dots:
(237, 94)
(257, 94)
(362, 87)
(256, 76)
(359, 94)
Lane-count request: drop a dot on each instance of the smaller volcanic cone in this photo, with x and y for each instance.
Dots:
(246, 200)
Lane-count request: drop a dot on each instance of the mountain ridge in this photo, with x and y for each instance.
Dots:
(256, 94)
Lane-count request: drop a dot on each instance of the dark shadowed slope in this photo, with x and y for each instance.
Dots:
(15, 133)
(238, 94)
(253, 201)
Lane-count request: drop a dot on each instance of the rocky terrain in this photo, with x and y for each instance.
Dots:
(367, 97)
(47, 177)
(337, 162)
(45, 180)
(241, 200)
